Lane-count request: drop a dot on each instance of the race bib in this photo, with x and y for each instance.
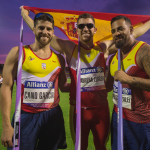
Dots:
(126, 96)
(38, 94)
(92, 79)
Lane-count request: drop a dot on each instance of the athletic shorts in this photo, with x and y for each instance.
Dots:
(136, 136)
(95, 119)
(42, 131)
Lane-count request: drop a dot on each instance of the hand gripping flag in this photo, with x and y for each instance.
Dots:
(66, 21)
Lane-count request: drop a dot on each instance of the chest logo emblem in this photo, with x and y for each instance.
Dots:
(30, 58)
(88, 54)
(43, 66)
(128, 59)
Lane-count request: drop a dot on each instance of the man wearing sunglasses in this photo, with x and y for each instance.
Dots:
(95, 110)
(43, 72)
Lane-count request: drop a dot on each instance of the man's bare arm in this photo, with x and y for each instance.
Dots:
(63, 46)
(62, 81)
(144, 58)
(139, 31)
(26, 18)
(9, 74)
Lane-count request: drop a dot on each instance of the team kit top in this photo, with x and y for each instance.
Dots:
(39, 90)
(93, 91)
(135, 101)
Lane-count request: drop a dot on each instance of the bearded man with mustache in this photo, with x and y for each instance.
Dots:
(135, 78)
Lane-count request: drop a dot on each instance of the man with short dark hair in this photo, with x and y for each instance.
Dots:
(43, 72)
(94, 104)
(135, 78)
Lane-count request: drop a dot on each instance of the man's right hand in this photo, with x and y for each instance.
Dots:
(24, 12)
(7, 135)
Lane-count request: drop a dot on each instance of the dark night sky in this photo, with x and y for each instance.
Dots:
(10, 17)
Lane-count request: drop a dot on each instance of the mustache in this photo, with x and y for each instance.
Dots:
(44, 35)
(86, 32)
(119, 36)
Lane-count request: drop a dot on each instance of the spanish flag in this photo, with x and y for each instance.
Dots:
(66, 21)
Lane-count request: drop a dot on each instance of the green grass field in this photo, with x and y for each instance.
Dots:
(64, 103)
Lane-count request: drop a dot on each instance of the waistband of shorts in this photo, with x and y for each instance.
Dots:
(22, 111)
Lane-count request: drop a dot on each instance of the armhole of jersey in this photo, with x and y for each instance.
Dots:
(100, 48)
(59, 60)
(136, 55)
(130, 51)
(24, 56)
(72, 54)
(111, 62)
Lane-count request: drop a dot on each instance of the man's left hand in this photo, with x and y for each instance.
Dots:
(121, 76)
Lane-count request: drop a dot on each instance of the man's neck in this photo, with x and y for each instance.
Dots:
(127, 48)
(38, 47)
(87, 45)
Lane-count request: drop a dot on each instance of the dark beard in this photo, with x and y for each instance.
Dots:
(42, 42)
(121, 43)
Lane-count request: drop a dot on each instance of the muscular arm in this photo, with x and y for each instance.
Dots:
(9, 74)
(62, 81)
(63, 46)
(143, 59)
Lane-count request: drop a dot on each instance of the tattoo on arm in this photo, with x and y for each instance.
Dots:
(144, 59)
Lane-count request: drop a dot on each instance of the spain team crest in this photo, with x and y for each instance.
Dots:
(71, 24)
(30, 58)
(43, 66)
(88, 54)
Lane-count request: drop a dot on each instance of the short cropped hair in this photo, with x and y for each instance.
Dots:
(127, 20)
(43, 17)
(86, 15)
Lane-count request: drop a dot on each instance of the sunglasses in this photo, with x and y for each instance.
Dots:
(88, 25)
(39, 14)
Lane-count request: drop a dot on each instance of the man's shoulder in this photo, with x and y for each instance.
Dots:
(103, 45)
(143, 52)
(145, 45)
(144, 48)
(16, 48)
(14, 52)
(26, 46)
